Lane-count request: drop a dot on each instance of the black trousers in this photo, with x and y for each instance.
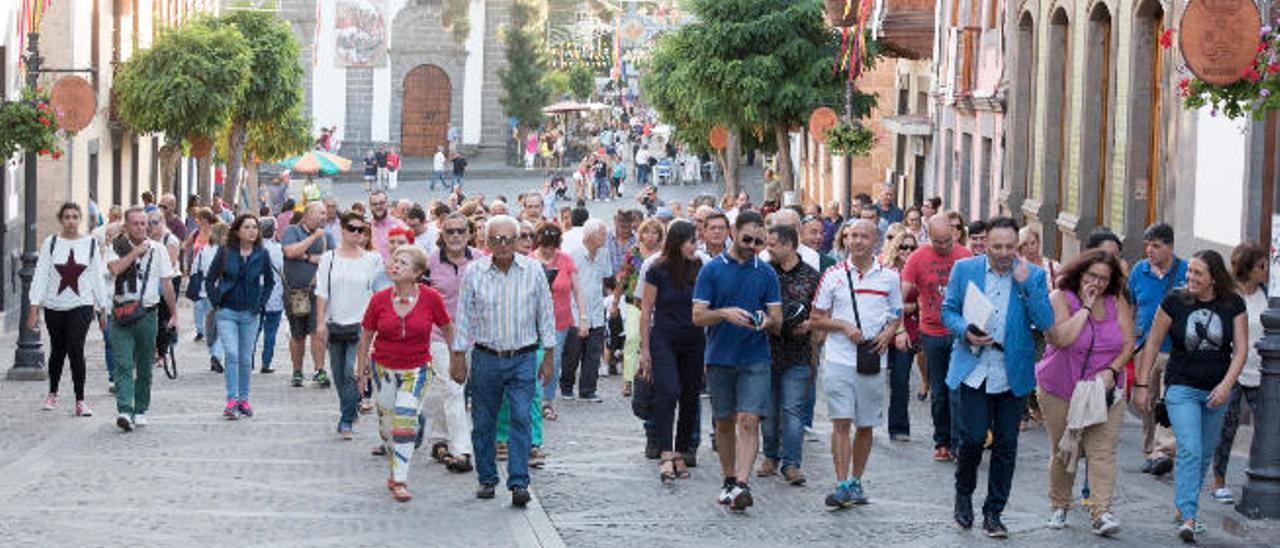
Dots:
(584, 352)
(67, 331)
(677, 381)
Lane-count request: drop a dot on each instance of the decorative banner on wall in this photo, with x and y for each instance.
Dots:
(360, 32)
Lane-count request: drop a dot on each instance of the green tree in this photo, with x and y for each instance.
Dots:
(457, 18)
(756, 67)
(275, 89)
(557, 83)
(186, 84)
(582, 81)
(525, 95)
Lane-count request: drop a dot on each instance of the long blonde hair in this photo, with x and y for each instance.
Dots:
(892, 251)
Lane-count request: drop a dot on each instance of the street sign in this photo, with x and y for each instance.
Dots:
(822, 119)
(1219, 39)
(73, 102)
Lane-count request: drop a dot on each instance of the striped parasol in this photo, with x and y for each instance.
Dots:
(317, 162)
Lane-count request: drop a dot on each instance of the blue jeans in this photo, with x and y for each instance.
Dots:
(1197, 427)
(549, 389)
(900, 390)
(491, 377)
(237, 332)
(602, 188)
(1002, 414)
(943, 404)
(270, 326)
(459, 179)
(199, 312)
(438, 176)
(342, 359)
(783, 428)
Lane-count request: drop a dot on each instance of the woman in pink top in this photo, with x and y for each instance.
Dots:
(565, 291)
(1092, 338)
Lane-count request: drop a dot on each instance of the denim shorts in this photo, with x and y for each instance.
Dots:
(740, 389)
(853, 396)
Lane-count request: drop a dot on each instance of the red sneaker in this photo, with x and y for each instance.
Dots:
(942, 454)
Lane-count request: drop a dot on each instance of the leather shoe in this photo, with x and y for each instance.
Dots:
(485, 491)
(964, 512)
(520, 497)
(1161, 466)
(993, 527)
(1146, 466)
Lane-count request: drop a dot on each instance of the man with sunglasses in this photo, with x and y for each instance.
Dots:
(446, 409)
(504, 314)
(737, 298)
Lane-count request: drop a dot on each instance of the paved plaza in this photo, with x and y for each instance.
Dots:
(284, 478)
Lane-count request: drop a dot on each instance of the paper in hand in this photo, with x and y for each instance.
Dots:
(978, 309)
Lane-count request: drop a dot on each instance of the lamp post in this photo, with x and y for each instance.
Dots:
(28, 360)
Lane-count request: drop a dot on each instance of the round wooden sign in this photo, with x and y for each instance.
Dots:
(201, 146)
(822, 119)
(1219, 39)
(719, 137)
(73, 102)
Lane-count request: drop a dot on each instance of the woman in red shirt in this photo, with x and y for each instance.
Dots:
(397, 323)
(566, 292)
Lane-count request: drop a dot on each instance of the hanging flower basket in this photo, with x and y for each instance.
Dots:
(850, 139)
(1256, 92)
(31, 124)
(842, 13)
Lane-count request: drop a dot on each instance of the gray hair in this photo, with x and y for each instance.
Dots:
(786, 216)
(498, 220)
(594, 225)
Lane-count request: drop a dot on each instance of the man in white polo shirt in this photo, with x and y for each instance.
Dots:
(853, 373)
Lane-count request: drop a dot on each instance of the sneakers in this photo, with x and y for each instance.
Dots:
(111, 387)
(82, 409)
(1161, 466)
(245, 409)
(344, 431)
(520, 497)
(1223, 495)
(1106, 525)
(993, 527)
(231, 412)
(855, 491)
(1059, 519)
(726, 491)
(140, 419)
(321, 378)
(215, 365)
(124, 422)
(942, 454)
(591, 398)
(900, 438)
(485, 491)
(840, 497)
(297, 379)
(1187, 532)
(566, 395)
(740, 498)
(793, 475)
(50, 402)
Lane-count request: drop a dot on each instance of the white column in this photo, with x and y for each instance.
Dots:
(328, 82)
(473, 79)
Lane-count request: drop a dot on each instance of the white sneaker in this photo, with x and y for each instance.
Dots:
(1223, 495)
(124, 422)
(1106, 525)
(1059, 519)
(140, 420)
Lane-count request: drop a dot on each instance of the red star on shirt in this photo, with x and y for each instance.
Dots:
(70, 272)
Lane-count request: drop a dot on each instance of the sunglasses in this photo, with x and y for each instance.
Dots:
(455, 231)
(752, 241)
(906, 248)
(526, 235)
(153, 223)
(356, 228)
(495, 241)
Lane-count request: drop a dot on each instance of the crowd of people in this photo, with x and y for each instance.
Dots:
(461, 322)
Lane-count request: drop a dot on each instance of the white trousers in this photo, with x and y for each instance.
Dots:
(446, 406)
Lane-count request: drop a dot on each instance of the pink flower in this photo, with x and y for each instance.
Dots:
(1166, 38)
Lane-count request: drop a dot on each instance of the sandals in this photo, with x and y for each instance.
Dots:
(399, 491)
(664, 476)
(626, 389)
(549, 413)
(460, 464)
(681, 468)
(440, 452)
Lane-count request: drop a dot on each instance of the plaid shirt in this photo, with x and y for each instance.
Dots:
(617, 250)
(798, 288)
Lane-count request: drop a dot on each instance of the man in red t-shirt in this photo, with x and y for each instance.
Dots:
(927, 271)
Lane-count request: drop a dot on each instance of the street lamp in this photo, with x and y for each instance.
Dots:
(28, 360)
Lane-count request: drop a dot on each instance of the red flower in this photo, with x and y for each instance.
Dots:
(1184, 86)
(1251, 74)
(44, 120)
(44, 152)
(1262, 46)
(57, 154)
(1166, 38)
(1273, 68)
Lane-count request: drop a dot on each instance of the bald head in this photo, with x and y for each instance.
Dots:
(786, 217)
(941, 236)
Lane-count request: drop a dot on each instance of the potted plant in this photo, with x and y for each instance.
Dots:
(850, 139)
(1256, 92)
(30, 124)
(842, 13)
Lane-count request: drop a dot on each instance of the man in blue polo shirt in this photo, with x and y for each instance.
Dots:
(1151, 279)
(737, 299)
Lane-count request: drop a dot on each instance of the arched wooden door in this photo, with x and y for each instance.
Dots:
(424, 114)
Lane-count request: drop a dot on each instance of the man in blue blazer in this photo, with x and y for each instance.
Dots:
(993, 365)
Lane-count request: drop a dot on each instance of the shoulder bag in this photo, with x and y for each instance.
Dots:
(196, 279)
(299, 301)
(868, 360)
(130, 312)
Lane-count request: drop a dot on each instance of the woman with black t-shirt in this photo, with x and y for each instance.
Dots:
(1208, 327)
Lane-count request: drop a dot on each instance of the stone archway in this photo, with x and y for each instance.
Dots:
(424, 111)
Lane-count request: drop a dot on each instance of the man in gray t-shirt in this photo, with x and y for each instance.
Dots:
(303, 244)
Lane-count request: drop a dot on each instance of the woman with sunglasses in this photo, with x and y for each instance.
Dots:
(343, 285)
(902, 353)
(566, 291)
(1207, 323)
(1091, 341)
(239, 285)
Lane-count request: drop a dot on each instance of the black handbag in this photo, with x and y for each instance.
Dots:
(641, 398)
(868, 358)
(131, 312)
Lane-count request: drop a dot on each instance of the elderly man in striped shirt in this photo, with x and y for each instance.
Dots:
(504, 314)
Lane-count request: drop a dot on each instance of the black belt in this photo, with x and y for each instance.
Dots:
(507, 353)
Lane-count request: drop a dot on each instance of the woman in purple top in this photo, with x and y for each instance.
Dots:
(1092, 338)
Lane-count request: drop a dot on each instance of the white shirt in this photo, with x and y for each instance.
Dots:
(879, 293)
(275, 302)
(591, 274)
(346, 285)
(572, 240)
(807, 254)
(69, 274)
(437, 161)
(1255, 305)
(159, 272)
(204, 260)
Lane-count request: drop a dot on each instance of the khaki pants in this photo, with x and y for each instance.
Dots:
(1157, 441)
(1097, 442)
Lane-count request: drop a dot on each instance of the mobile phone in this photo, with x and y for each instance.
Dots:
(757, 319)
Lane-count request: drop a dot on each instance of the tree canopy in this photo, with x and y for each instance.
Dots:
(582, 81)
(525, 94)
